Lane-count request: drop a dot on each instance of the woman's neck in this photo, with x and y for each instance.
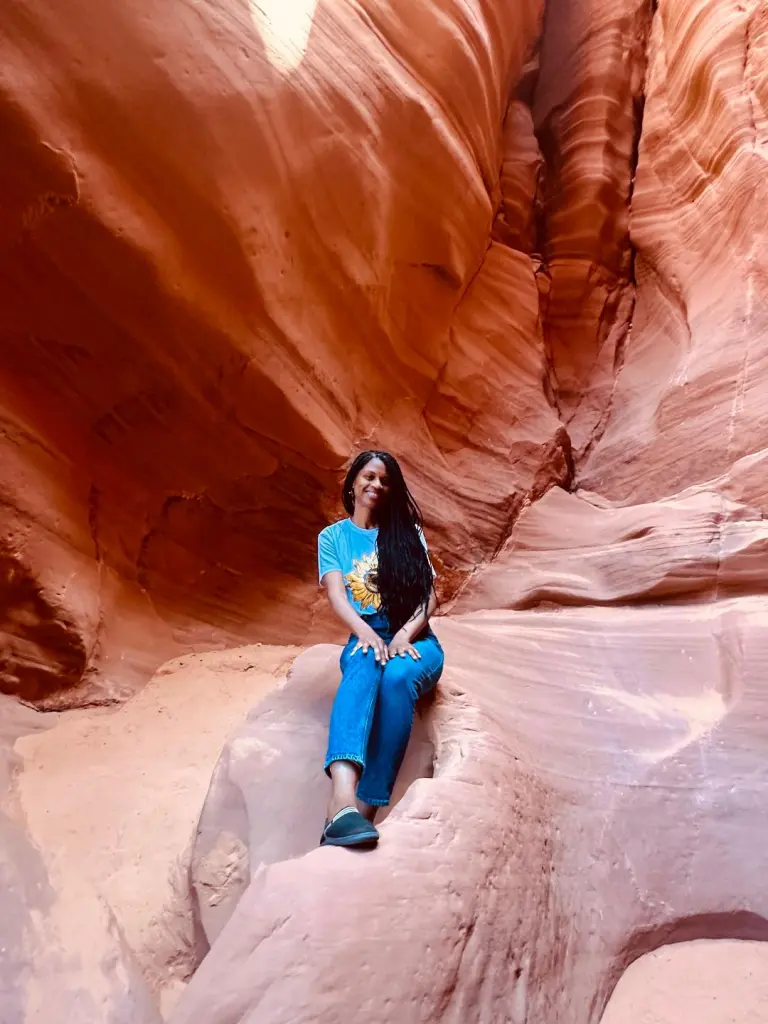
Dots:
(363, 517)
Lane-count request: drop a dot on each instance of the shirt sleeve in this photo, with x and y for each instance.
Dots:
(423, 540)
(327, 556)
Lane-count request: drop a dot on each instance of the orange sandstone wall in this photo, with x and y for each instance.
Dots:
(669, 430)
(587, 107)
(233, 250)
(690, 399)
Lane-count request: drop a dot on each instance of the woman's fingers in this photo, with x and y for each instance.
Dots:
(406, 649)
(380, 649)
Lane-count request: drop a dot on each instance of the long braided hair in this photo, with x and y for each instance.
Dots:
(404, 576)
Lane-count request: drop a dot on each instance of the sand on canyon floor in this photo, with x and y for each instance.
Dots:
(702, 982)
(112, 796)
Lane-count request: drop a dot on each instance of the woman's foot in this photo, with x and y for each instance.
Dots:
(349, 828)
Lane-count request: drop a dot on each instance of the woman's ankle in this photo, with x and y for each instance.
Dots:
(344, 779)
(336, 804)
(367, 810)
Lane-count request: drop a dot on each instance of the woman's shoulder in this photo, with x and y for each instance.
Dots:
(334, 529)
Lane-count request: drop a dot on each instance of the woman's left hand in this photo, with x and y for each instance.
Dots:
(401, 645)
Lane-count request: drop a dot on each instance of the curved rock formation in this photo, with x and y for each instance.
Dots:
(574, 549)
(587, 109)
(596, 793)
(711, 982)
(268, 791)
(226, 263)
(525, 250)
(62, 955)
(689, 399)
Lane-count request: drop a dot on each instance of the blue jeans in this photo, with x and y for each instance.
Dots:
(373, 711)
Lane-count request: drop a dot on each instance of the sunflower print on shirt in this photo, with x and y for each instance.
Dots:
(363, 582)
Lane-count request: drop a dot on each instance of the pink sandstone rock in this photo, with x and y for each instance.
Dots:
(268, 793)
(111, 797)
(526, 251)
(62, 956)
(597, 791)
(587, 110)
(709, 982)
(690, 400)
(574, 549)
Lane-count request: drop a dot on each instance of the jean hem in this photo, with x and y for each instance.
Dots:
(371, 801)
(343, 757)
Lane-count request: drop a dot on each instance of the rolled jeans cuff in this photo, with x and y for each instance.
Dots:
(371, 801)
(354, 758)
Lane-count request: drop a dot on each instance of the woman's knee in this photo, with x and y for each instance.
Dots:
(401, 676)
(432, 662)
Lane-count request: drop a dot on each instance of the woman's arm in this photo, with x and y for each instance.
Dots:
(402, 641)
(337, 598)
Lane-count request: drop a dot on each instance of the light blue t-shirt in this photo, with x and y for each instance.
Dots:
(352, 551)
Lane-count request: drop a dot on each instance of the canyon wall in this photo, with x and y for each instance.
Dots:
(689, 401)
(520, 247)
(234, 250)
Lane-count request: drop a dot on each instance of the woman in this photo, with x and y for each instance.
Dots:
(376, 571)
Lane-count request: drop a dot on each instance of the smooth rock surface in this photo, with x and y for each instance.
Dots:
(587, 111)
(579, 549)
(597, 791)
(112, 797)
(268, 794)
(62, 954)
(707, 982)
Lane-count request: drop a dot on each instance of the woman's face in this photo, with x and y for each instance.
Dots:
(371, 486)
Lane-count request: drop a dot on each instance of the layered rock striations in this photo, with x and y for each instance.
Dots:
(587, 108)
(598, 758)
(688, 402)
(236, 245)
(523, 249)
(597, 787)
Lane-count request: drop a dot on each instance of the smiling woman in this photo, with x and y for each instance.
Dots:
(376, 570)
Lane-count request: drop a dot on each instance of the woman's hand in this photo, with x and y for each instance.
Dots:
(369, 638)
(400, 645)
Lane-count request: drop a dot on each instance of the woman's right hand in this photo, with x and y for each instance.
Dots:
(368, 638)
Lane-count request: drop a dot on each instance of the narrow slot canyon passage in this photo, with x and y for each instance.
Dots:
(522, 246)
